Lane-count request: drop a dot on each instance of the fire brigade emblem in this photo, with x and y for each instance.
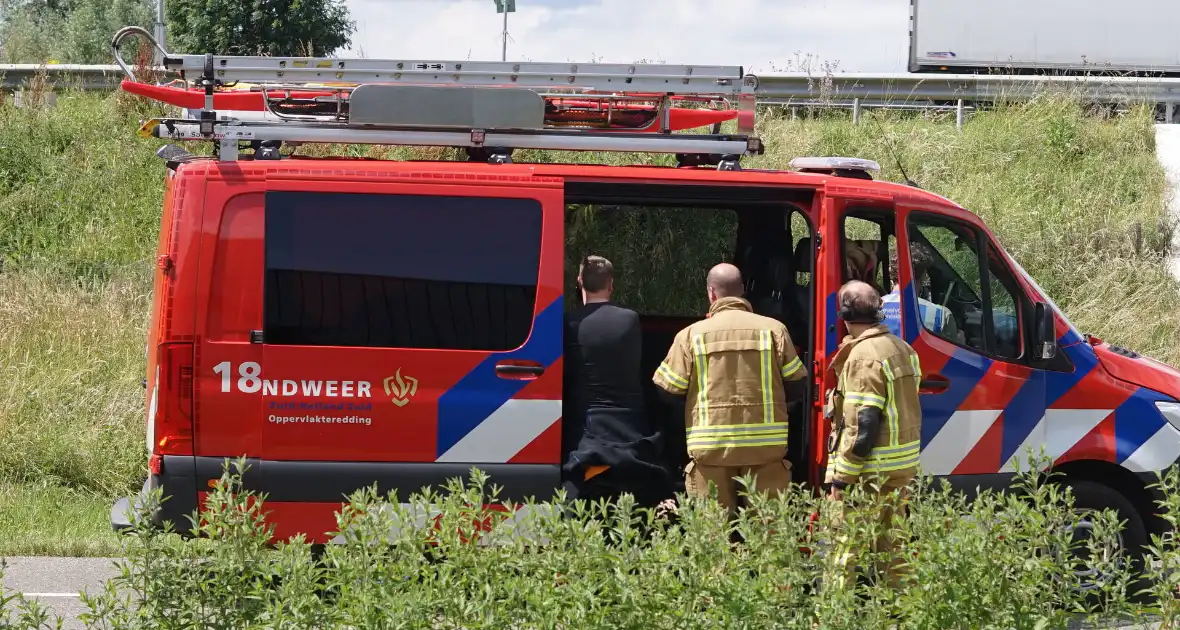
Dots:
(400, 389)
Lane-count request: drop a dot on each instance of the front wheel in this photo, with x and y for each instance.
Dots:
(1129, 545)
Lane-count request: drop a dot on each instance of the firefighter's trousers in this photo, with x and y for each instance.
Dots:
(771, 478)
(884, 498)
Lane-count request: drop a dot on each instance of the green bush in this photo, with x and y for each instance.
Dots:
(1000, 561)
(1078, 200)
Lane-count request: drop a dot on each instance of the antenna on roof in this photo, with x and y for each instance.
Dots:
(897, 160)
(469, 105)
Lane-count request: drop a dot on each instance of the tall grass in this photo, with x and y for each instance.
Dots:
(71, 399)
(1078, 200)
(79, 195)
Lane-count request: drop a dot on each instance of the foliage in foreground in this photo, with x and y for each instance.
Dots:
(1000, 561)
(1078, 199)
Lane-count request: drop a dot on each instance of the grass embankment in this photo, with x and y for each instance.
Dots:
(1079, 201)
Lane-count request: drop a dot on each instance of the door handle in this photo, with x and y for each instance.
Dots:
(519, 370)
(934, 384)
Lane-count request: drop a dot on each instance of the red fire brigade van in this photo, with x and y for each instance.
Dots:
(347, 322)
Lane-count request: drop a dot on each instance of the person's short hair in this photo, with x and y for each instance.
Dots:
(596, 273)
(920, 260)
(859, 303)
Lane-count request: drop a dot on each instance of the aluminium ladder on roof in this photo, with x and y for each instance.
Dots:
(490, 99)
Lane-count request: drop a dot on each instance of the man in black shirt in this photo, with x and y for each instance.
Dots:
(611, 444)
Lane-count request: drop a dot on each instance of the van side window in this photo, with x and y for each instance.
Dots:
(962, 297)
(400, 271)
(866, 252)
(1005, 309)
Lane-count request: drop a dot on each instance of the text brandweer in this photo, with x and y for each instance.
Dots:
(315, 389)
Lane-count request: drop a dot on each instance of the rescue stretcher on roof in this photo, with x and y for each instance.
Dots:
(474, 105)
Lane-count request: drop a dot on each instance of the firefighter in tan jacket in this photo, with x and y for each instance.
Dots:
(731, 369)
(877, 420)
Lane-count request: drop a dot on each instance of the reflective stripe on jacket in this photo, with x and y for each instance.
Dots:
(876, 369)
(731, 366)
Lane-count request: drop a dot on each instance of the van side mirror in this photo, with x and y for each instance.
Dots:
(1044, 332)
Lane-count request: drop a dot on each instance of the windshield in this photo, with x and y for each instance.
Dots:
(1043, 293)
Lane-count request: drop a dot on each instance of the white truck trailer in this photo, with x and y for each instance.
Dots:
(1128, 37)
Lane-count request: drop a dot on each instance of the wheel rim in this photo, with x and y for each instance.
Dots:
(1089, 577)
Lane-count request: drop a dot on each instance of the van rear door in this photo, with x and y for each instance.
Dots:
(412, 329)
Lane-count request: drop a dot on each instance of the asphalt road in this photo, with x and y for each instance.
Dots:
(57, 582)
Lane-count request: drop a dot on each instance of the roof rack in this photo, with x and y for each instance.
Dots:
(487, 108)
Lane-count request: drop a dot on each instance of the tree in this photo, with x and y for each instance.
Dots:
(66, 31)
(259, 27)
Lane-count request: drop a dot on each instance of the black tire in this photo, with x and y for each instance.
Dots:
(317, 552)
(1091, 495)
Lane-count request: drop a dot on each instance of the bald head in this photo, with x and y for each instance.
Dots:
(724, 281)
(861, 299)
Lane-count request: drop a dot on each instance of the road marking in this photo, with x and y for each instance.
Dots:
(50, 595)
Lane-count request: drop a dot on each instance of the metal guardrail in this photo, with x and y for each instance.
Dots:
(85, 77)
(905, 87)
(855, 90)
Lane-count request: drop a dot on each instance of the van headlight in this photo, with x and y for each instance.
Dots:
(1170, 411)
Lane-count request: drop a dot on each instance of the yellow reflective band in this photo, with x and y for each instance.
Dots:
(891, 408)
(845, 467)
(738, 435)
(864, 398)
(892, 465)
(702, 369)
(888, 459)
(793, 366)
(737, 429)
(891, 452)
(880, 460)
(764, 373)
(674, 379)
(917, 371)
(710, 443)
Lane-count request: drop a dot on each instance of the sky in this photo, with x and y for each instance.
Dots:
(761, 35)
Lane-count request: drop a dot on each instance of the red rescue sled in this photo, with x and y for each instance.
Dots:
(559, 111)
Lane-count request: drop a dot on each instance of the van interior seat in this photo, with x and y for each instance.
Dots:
(797, 297)
(803, 255)
(776, 279)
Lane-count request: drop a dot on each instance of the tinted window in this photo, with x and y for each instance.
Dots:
(948, 266)
(400, 271)
(1005, 310)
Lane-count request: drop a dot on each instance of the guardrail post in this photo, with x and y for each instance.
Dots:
(856, 111)
(47, 99)
(959, 114)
